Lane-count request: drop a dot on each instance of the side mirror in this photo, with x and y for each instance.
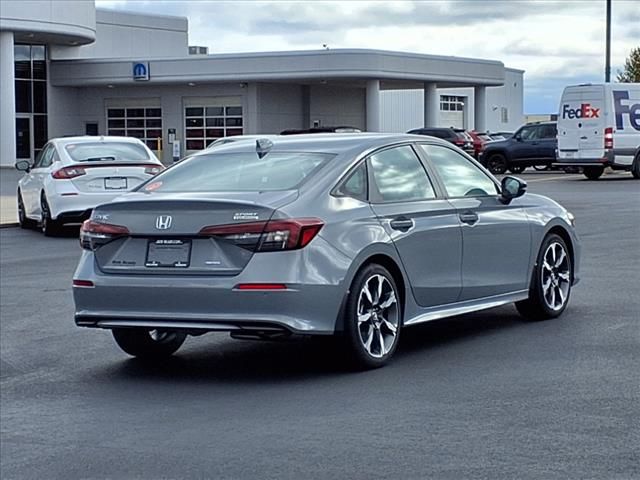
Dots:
(512, 187)
(517, 138)
(23, 165)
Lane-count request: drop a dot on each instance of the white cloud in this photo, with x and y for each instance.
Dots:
(551, 40)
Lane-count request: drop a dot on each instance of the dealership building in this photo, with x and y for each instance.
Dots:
(67, 68)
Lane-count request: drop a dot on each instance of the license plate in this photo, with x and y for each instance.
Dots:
(568, 154)
(115, 183)
(168, 253)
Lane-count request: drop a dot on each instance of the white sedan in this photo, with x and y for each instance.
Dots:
(73, 175)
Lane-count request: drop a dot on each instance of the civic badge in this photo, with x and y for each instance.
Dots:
(163, 222)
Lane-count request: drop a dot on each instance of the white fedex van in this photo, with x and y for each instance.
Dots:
(599, 126)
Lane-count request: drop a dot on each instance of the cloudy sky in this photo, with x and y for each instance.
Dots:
(555, 42)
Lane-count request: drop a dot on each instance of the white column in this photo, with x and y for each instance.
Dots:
(373, 105)
(431, 105)
(480, 109)
(7, 101)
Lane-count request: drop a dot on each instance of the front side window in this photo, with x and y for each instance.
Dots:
(528, 133)
(460, 176)
(239, 172)
(398, 176)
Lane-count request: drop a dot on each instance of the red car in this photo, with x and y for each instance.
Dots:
(479, 141)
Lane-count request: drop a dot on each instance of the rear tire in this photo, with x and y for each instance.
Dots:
(551, 283)
(148, 344)
(23, 220)
(49, 227)
(497, 163)
(542, 168)
(635, 167)
(373, 317)
(593, 173)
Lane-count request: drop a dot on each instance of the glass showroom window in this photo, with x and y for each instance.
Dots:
(451, 103)
(205, 124)
(144, 123)
(31, 99)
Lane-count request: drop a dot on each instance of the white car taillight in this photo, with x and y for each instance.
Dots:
(67, 173)
(153, 170)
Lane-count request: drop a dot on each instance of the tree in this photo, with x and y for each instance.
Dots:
(631, 71)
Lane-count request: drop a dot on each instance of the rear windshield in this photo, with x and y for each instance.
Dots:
(106, 151)
(239, 172)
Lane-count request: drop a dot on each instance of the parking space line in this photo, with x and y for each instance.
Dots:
(559, 177)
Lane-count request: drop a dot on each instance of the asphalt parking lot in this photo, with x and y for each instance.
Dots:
(484, 395)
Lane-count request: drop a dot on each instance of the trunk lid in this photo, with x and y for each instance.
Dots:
(164, 231)
(111, 178)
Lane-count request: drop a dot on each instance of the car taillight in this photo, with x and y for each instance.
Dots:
(67, 173)
(153, 169)
(94, 234)
(271, 236)
(608, 138)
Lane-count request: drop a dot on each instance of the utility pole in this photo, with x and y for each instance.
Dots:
(607, 64)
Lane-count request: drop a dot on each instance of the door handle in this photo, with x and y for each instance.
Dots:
(469, 217)
(403, 224)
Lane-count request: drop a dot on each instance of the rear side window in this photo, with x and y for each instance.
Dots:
(548, 131)
(239, 172)
(460, 176)
(356, 185)
(398, 176)
(106, 151)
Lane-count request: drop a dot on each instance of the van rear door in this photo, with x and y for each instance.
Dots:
(581, 123)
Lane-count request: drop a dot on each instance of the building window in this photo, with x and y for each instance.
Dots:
(504, 114)
(452, 103)
(144, 123)
(30, 68)
(204, 124)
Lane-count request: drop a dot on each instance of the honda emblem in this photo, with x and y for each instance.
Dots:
(163, 222)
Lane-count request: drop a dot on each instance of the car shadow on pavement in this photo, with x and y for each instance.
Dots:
(222, 359)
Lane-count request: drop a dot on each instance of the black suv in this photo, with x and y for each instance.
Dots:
(458, 138)
(532, 145)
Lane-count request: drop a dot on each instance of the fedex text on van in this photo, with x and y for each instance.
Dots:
(632, 110)
(585, 111)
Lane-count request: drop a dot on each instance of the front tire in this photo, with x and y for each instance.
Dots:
(373, 317)
(551, 283)
(497, 163)
(516, 169)
(148, 344)
(593, 173)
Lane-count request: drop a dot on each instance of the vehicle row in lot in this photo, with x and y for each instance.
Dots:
(351, 235)
(72, 175)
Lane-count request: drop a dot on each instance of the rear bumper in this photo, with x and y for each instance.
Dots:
(617, 159)
(311, 303)
(72, 208)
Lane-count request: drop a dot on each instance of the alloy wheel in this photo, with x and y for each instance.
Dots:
(378, 316)
(556, 276)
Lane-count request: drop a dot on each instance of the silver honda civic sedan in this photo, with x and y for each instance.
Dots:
(357, 236)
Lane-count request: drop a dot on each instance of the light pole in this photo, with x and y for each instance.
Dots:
(607, 64)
